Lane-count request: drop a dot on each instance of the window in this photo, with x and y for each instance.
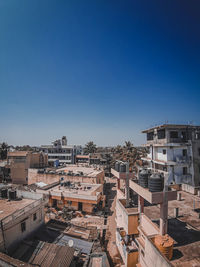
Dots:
(184, 152)
(198, 135)
(161, 134)
(199, 151)
(34, 216)
(164, 151)
(142, 251)
(150, 136)
(23, 226)
(183, 136)
(199, 168)
(173, 134)
(184, 170)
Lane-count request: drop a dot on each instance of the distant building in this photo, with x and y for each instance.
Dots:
(60, 151)
(175, 151)
(20, 161)
(72, 173)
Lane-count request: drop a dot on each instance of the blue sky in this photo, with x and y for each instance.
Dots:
(97, 70)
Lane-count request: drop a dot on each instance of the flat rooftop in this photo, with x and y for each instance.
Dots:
(87, 171)
(185, 230)
(162, 126)
(9, 207)
(78, 189)
(129, 210)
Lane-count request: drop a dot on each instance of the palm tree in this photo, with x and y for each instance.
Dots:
(118, 149)
(90, 147)
(128, 145)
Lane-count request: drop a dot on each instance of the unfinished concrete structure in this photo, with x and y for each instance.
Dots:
(127, 220)
(20, 161)
(18, 219)
(175, 150)
(136, 232)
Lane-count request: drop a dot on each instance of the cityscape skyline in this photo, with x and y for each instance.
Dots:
(96, 71)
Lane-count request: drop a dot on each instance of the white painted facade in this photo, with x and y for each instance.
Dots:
(174, 156)
(59, 150)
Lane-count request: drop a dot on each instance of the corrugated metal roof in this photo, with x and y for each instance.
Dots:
(84, 246)
(44, 254)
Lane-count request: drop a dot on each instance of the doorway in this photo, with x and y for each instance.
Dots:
(80, 206)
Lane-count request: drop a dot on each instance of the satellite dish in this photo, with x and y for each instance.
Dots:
(70, 243)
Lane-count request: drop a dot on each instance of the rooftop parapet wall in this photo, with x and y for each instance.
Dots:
(20, 212)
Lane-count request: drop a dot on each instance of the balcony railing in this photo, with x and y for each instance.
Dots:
(183, 178)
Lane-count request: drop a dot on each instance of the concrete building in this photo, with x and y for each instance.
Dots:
(72, 173)
(75, 196)
(18, 219)
(175, 151)
(127, 220)
(20, 161)
(60, 151)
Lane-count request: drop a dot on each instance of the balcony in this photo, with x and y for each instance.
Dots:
(178, 140)
(183, 159)
(183, 178)
(127, 248)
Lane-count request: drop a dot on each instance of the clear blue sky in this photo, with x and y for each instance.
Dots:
(97, 70)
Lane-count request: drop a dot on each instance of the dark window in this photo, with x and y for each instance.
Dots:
(161, 134)
(197, 136)
(199, 151)
(23, 226)
(34, 216)
(142, 251)
(184, 152)
(150, 136)
(173, 134)
(164, 151)
(184, 170)
(199, 168)
(183, 135)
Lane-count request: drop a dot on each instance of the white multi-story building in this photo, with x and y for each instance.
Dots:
(175, 150)
(60, 151)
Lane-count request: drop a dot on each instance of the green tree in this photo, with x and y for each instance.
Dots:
(90, 147)
(128, 146)
(3, 150)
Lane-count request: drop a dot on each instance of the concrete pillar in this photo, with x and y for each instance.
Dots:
(176, 212)
(163, 218)
(198, 193)
(118, 183)
(140, 204)
(179, 196)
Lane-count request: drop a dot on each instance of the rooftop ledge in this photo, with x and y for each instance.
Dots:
(122, 175)
(152, 197)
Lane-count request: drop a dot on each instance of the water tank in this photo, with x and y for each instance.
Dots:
(12, 195)
(4, 193)
(156, 182)
(165, 245)
(143, 177)
(117, 165)
(122, 167)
